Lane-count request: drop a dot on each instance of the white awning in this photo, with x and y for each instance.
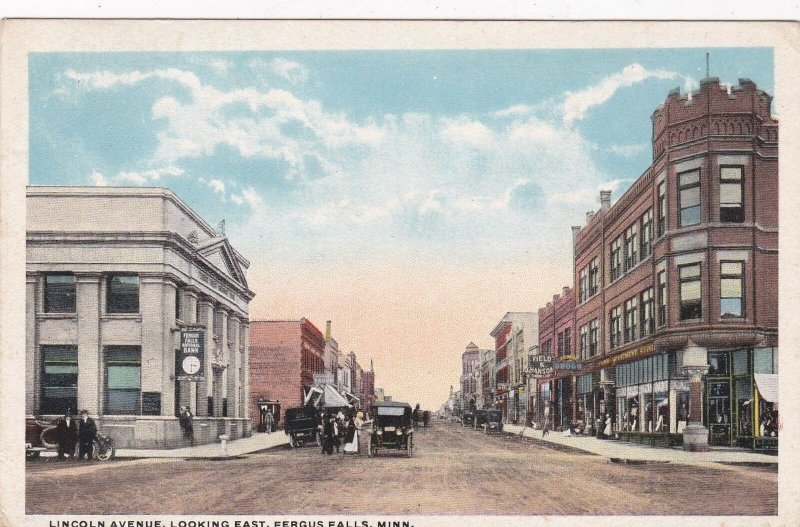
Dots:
(333, 399)
(767, 384)
(311, 392)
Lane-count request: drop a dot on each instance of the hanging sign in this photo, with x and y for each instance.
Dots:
(191, 356)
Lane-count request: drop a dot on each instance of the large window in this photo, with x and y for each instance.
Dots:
(59, 380)
(662, 298)
(583, 284)
(646, 238)
(631, 247)
(583, 344)
(647, 313)
(594, 331)
(631, 318)
(123, 380)
(690, 292)
(59, 293)
(730, 195)
(731, 284)
(662, 209)
(567, 342)
(560, 349)
(122, 294)
(689, 198)
(594, 276)
(615, 326)
(616, 258)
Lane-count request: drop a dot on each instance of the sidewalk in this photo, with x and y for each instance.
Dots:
(239, 447)
(629, 452)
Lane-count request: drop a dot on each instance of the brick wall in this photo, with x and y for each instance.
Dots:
(275, 365)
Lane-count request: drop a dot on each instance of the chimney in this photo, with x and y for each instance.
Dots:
(328, 330)
(605, 200)
(589, 216)
(565, 290)
(555, 299)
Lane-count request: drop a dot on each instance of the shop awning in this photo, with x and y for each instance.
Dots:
(312, 396)
(767, 384)
(333, 399)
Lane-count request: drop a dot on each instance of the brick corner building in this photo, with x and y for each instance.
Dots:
(678, 279)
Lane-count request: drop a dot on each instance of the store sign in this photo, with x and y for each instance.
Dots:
(625, 356)
(323, 378)
(191, 360)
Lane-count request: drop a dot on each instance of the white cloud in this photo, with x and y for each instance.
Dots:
(629, 150)
(98, 179)
(467, 132)
(282, 68)
(220, 66)
(145, 177)
(248, 196)
(576, 104)
(217, 185)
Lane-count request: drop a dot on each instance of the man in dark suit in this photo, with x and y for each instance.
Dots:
(87, 433)
(66, 436)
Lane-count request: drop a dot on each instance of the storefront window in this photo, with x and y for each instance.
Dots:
(740, 362)
(632, 405)
(682, 409)
(718, 364)
(744, 405)
(661, 402)
(647, 408)
(768, 426)
(764, 361)
(622, 413)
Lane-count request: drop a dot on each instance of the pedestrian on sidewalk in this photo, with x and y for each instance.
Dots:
(328, 434)
(66, 436)
(87, 433)
(269, 420)
(546, 428)
(359, 424)
(351, 438)
(187, 426)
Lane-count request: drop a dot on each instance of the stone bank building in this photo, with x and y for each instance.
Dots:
(115, 276)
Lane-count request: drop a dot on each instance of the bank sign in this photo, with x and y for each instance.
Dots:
(192, 355)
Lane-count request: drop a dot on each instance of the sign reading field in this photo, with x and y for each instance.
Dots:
(192, 355)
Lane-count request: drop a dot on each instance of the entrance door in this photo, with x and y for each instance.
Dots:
(719, 412)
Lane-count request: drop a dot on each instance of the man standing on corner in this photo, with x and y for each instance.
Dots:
(66, 436)
(87, 433)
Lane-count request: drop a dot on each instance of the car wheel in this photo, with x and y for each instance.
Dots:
(32, 455)
(47, 437)
(103, 454)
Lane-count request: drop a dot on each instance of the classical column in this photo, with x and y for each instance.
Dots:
(32, 358)
(188, 389)
(244, 343)
(204, 387)
(220, 390)
(234, 363)
(156, 321)
(87, 292)
(695, 365)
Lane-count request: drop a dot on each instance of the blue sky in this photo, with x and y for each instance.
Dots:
(355, 179)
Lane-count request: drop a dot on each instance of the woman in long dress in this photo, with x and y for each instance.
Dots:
(351, 438)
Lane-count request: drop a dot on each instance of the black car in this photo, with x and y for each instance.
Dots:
(392, 428)
(467, 418)
(491, 421)
(301, 426)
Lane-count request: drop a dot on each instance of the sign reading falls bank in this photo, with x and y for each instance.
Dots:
(192, 355)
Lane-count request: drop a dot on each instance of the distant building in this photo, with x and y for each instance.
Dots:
(470, 361)
(511, 334)
(556, 395)
(284, 356)
(114, 278)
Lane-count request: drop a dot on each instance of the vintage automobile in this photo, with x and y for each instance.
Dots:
(392, 428)
(467, 418)
(491, 421)
(300, 424)
(40, 436)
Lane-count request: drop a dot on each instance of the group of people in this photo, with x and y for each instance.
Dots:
(340, 432)
(74, 431)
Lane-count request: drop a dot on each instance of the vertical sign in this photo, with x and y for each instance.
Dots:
(192, 355)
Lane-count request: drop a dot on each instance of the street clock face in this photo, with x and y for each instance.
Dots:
(191, 365)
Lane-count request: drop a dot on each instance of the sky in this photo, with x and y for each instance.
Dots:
(410, 197)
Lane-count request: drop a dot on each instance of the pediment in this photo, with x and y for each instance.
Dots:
(219, 253)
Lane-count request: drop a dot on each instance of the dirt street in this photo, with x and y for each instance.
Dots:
(453, 471)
